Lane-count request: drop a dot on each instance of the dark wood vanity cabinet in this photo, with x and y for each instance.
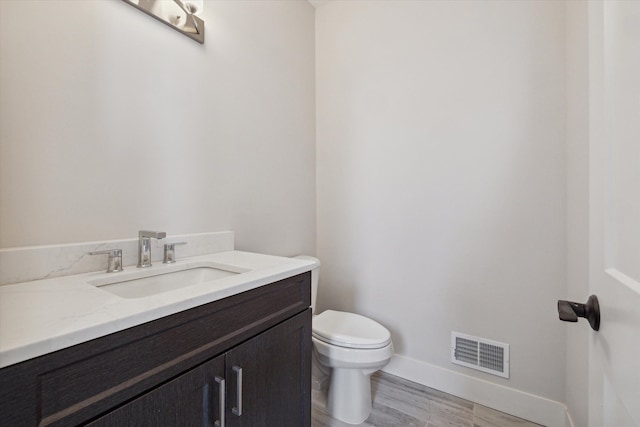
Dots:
(184, 401)
(248, 355)
(262, 390)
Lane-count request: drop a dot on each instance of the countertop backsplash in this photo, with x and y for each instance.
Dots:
(25, 264)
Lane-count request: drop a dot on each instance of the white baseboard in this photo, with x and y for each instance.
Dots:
(515, 402)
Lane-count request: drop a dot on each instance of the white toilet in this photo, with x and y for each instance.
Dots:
(349, 348)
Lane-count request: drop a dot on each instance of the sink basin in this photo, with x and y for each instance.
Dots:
(161, 281)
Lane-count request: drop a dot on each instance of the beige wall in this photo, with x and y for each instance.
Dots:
(112, 122)
(442, 177)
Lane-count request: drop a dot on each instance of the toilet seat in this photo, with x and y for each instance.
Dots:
(350, 330)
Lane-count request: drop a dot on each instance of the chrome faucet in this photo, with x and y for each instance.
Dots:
(144, 246)
(170, 252)
(115, 259)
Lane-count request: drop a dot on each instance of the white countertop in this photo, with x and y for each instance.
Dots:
(43, 316)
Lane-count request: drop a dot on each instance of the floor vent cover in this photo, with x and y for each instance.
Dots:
(481, 354)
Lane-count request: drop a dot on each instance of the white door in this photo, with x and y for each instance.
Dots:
(614, 190)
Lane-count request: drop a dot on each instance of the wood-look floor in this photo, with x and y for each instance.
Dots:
(401, 403)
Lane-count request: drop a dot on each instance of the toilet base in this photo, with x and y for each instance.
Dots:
(349, 397)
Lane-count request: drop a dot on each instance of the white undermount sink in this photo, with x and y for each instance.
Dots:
(147, 283)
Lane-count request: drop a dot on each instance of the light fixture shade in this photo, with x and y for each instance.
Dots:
(172, 13)
(194, 6)
(177, 14)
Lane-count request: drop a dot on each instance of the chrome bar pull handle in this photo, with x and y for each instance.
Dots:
(221, 391)
(237, 410)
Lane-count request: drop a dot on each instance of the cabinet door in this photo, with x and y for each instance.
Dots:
(192, 399)
(275, 386)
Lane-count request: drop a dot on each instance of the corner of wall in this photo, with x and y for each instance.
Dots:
(577, 124)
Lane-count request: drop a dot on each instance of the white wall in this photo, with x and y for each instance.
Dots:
(112, 122)
(577, 81)
(441, 157)
(441, 176)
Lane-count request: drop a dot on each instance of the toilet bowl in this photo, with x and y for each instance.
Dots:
(348, 348)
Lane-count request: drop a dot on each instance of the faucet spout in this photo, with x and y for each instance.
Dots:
(144, 246)
(152, 234)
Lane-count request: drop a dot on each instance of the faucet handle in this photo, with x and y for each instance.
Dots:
(115, 259)
(170, 252)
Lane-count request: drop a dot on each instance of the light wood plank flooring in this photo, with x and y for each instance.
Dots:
(401, 403)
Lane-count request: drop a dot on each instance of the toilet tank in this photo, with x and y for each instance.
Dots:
(315, 274)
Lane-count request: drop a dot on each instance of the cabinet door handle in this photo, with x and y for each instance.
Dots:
(221, 393)
(237, 410)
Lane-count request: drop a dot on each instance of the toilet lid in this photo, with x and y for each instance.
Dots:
(350, 330)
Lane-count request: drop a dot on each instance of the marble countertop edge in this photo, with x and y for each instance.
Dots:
(44, 316)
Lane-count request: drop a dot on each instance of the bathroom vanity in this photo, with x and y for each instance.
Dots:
(241, 359)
